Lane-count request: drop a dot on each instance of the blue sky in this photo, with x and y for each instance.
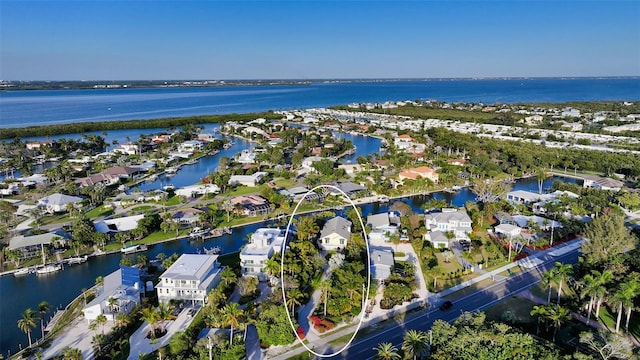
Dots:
(159, 40)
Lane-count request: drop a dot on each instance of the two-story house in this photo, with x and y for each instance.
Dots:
(383, 225)
(335, 234)
(453, 221)
(189, 278)
(263, 244)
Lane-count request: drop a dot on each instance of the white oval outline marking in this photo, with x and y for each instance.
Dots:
(284, 296)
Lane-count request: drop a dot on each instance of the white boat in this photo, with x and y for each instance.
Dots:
(77, 260)
(168, 187)
(383, 199)
(133, 249)
(192, 162)
(48, 269)
(153, 177)
(213, 251)
(172, 170)
(23, 271)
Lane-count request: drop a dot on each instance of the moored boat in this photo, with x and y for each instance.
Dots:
(133, 249)
(213, 251)
(23, 271)
(48, 269)
(77, 260)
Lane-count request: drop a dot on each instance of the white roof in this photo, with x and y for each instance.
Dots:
(506, 229)
(118, 224)
(190, 267)
(59, 199)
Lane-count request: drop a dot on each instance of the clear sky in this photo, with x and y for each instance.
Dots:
(161, 40)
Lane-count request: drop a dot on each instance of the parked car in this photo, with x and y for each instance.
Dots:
(446, 305)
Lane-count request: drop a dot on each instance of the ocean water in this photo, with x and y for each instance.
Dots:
(43, 107)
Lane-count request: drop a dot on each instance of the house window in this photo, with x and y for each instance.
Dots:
(341, 241)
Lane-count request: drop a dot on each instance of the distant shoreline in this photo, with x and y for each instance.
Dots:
(15, 85)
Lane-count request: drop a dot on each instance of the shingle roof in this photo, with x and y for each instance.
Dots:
(59, 199)
(338, 225)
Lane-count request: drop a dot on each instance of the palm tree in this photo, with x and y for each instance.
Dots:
(111, 301)
(165, 313)
(272, 267)
(228, 276)
(540, 312)
(415, 344)
(590, 289)
(294, 297)
(325, 287)
(230, 316)
(101, 320)
(602, 279)
(43, 308)
(70, 353)
(562, 271)
(624, 298)
(386, 351)
(557, 315)
(27, 322)
(151, 316)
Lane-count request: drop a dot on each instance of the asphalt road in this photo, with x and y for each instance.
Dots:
(479, 300)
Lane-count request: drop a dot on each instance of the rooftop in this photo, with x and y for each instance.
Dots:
(190, 267)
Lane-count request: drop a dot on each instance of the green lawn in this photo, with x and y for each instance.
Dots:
(53, 219)
(173, 201)
(144, 209)
(245, 190)
(99, 212)
(451, 266)
(519, 307)
(609, 318)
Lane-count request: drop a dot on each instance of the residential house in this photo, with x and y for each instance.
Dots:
(120, 293)
(246, 157)
(190, 146)
(457, 162)
(438, 239)
(110, 176)
(31, 246)
(197, 190)
(9, 189)
(128, 149)
(263, 244)
(383, 225)
(381, 264)
(454, 221)
(189, 278)
(300, 192)
(57, 202)
(250, 205)
(189, 216)
(352, 190)
(36, 145)
(424, 172)
(507, 230)
(543, 223)
(538, 201)
(335, 234)
(206, 137)
(116, 225)
(164, 138)
(247, 180)
(307, 163)
(351, 169)
(602, 183)
(402, 139)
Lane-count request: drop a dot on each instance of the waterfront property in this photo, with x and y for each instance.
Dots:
(110, 176)
(57, 202)
(120, 292)
(602, 183)
(118, 224)
(197, 190)
(538, 201)
(454, 222)
(335, 234)
(300, 192)
(250, 205)
(263, 244)
(189, 278)
(383, 225)
(424, 172)
(247, 180)
(31, 246)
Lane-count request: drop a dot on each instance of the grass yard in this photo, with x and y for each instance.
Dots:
(608, 318)
(450, 267)
(519, 308)
(99, 211)
(144, 209)
(53, 219)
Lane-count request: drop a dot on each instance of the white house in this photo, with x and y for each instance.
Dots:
(57, 202)
(307, 163)
(31, 246)
(381, 264)
(189, 278)
(246, 157)
(454, 220)
(190, 146)
(120, 293)
(335, 234)
(438, 239)
(10, 189)
(128, 149)
(115, 225)
(383, 225)
(507, 230)
(247, 180)
(197, 190)
(263, 244)
(602, 183)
